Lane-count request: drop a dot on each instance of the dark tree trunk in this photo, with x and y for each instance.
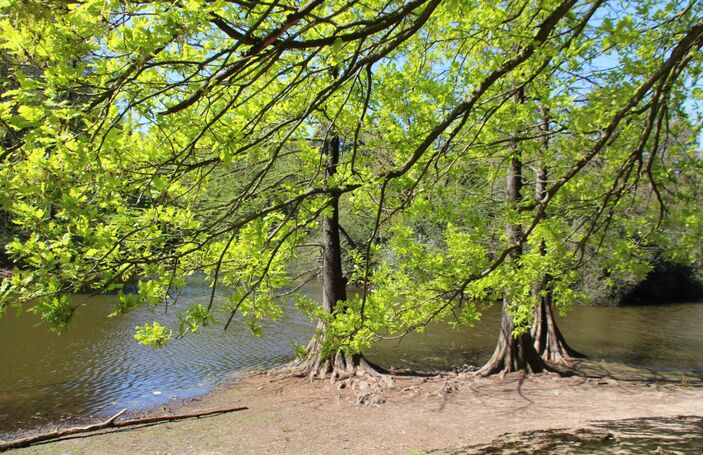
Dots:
(513, 353)
(317, 363)
(334, 286)
(548, 339)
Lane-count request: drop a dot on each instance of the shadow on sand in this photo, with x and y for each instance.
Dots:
(661, 435)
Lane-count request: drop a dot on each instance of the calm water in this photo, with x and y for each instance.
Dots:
(657, 336)
(97, 368)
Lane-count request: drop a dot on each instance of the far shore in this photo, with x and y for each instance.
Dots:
(443, 412)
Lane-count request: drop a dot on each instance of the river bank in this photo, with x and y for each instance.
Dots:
(77, 377)
(445, 413)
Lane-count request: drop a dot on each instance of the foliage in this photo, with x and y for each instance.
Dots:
(160, 140)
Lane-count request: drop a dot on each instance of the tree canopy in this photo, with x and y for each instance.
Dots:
(163, 140)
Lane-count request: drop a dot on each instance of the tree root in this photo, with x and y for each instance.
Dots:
(353, 372)
(519, 355)
(367, 391)
(108, 424)
(548, 339)
(337, 366)
(564, 370)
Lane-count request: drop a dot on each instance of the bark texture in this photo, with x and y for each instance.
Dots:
(513, 353)
(339, 364)
(547, 338)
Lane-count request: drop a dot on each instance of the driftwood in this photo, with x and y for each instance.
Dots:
(109, 423)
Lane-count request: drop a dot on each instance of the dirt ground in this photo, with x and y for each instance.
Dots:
(402, 415)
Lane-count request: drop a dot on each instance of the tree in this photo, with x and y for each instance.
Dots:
(258, 98)
(600, 151)
(197, 149)
(547, 337)
(318, 360)
(514, 352)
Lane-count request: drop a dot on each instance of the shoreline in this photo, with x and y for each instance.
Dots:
(443, 412)
(150, 410)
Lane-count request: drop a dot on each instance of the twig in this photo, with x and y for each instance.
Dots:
(109, 423)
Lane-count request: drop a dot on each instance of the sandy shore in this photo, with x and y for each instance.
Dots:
(408, 414)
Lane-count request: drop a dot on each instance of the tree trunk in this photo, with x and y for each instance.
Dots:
(513, 352)
(317, 363)
(547, 338)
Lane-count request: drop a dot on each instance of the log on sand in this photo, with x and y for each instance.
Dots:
(109, 423)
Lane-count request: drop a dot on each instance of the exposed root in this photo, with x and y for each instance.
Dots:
(501, 368)
(517, 354)
(513, 354)
(412, 390)
(368, 391)
(337, 366)
(364, 389)
(548, 339)
(352, 372)
(448, 386)
(560, 355)
(465, 370)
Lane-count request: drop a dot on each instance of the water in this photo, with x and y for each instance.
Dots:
(97, 368)
(655, 336)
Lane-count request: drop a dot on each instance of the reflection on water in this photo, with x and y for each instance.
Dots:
(657, 336)
(97, 368)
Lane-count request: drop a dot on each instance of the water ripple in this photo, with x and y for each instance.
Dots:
(97, 367)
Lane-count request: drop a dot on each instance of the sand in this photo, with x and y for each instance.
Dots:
(404, 414)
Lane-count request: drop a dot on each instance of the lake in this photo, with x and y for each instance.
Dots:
(97, 368)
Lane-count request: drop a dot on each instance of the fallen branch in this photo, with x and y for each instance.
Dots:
(109, 423)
